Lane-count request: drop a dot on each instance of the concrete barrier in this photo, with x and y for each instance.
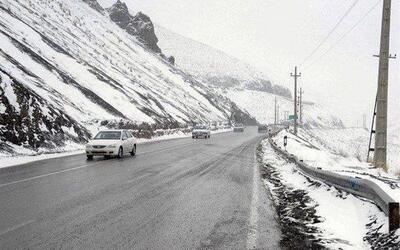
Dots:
(354, 185)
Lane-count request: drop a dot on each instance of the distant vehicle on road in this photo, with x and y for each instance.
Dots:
(226, 125)
(201, 131)
(109, 143)
(238, 127)
(213, 126)
(262, 128)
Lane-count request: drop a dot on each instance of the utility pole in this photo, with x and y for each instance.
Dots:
(382, 94)
(295, 76)
(301, 105)
(364, 121)
(275, 112)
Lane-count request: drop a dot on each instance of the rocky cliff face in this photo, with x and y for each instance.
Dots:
(94, 4)
(65, 67)
(139, 25)
(28, 120)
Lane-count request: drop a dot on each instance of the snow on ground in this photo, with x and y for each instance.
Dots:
(27, 156)
(347, 142)
(336, 154)
(342, 218)
(354, 142)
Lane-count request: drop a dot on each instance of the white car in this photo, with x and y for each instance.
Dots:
(109, 143)
(238, 127)
(201, 131)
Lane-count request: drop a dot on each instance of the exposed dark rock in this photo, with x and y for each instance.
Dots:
(65, 77)
(226, 82)
(145, 130)
(259, 85)
(95, 5)
(240, 116)
(28, 120)
(379, 240)
(223, 82)
(171, 60)
(282, 91)
(139, 25)
(295, 209)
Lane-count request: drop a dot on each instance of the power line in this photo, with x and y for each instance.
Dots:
(345, 34)
(330, 32)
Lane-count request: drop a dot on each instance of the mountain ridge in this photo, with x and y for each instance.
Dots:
(77, 68)
(214, 66)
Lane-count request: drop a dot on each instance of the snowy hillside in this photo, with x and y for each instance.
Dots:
(214, 66)
(198, 58)
(65, 66)
(238, 81)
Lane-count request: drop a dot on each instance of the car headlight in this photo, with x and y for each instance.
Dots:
(88, 146)
(112, 146)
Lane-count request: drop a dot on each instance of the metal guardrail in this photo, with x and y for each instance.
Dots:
(354, 185)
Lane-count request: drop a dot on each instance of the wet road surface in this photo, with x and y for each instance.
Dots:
(175, 194)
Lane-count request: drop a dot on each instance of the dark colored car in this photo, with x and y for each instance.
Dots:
(262, 129)
(238, 128)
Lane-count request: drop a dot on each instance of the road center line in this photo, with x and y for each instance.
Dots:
(45, 175)
(16, 227)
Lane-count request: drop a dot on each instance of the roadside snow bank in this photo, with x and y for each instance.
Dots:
(316, 153)
(314, 215)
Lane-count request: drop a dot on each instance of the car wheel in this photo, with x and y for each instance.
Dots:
(133, 152)
(120, 152)
(89, 157)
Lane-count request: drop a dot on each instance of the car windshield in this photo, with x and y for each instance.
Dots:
(200, 127)
(108, 135)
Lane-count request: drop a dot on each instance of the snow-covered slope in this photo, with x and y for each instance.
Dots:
(65, 65)
(213, 66)
(198, 58)
(248, 88)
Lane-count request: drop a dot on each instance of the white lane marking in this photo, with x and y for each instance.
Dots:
(44, 175)
(253, 233)
(17, 227)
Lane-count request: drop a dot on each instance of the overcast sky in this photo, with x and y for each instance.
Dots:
(276, 35)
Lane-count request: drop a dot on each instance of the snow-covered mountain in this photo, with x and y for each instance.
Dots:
(248, 88)
(65, 66)
(213, 66)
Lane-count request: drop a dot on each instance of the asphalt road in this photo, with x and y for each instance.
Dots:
(176, 194)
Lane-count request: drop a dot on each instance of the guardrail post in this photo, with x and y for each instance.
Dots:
(394, 216)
